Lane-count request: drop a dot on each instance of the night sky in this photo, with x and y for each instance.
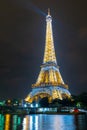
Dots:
(22, 41)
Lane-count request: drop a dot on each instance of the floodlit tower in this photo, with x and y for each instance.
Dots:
(49, 82)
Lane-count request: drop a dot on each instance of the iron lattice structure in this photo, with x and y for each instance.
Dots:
(49, 82)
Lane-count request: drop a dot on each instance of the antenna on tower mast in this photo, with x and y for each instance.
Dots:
(48, 11)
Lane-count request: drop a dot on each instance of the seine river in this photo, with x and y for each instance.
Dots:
(43, 122)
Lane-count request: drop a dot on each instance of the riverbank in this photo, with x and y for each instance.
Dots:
(26, 111)
(22, 112)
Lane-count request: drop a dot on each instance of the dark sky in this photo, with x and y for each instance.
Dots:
(22, 41)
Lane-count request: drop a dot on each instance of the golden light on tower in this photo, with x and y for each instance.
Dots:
(49, 55)
(49, 82)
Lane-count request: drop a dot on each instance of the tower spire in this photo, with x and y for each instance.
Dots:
(49, 53)
(48, 11)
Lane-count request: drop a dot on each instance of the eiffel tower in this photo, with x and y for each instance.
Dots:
(49, 82)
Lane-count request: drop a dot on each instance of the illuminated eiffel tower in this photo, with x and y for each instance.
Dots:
(49, 82)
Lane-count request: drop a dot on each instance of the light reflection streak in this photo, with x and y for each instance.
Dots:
(14, 126)
(26, 123)
(34, 122)
(7, 122)
(43, 122)
(61, 121)
(1, 122)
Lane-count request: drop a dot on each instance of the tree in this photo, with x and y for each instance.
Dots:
(44, 102)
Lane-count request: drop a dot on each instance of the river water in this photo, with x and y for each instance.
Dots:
(43, 122)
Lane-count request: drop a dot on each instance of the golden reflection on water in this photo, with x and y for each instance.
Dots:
(7, 122)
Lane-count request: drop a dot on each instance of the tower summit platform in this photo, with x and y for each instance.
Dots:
(49, 82)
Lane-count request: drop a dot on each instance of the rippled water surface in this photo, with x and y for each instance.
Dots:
(43, 122)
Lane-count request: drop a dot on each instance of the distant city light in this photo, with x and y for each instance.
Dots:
(25, 105)
(36, 105)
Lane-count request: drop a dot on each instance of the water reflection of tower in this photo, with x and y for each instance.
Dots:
(31, 122)
(25, 123)
(34, 122)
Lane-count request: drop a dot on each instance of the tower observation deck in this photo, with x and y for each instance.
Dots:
(49, 82)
